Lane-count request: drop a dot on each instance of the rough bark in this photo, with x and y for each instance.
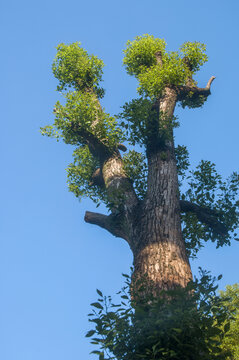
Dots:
(152, 227)
(112, 223)
(158, 248)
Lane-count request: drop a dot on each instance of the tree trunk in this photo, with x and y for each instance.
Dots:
(152, 227)
(158, 246)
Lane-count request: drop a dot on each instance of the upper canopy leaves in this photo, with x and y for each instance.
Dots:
(81, 121)
(74, 67)
(146, 58)
(140, 53)
(194, 54)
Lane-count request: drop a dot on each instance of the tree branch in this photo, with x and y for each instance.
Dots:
(159, 59)
(210, 82)
(122, 147)
(111, 223)
(194, 91)
(205, 215)
(96, 147)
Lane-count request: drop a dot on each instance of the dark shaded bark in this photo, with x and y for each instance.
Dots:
(194, 91)
(152, 227)
(158, 246)
(111, 223)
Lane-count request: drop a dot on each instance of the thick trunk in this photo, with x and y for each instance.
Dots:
(157, 244)
(158, 247)
(152, 227)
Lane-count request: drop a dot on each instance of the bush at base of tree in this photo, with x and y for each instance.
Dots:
(230, 299)
(187, 324)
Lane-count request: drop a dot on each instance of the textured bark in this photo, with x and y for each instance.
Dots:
(159, 249)
(194, 91)
(119, 188)
(158, 246)
(152, 227)
(112, 223)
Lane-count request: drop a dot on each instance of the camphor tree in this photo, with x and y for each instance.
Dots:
(156, 203)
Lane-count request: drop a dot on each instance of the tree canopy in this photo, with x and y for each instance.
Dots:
(82, 122)
(157, 202)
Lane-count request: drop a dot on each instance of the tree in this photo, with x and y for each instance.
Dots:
(164, 219)
(230, 298)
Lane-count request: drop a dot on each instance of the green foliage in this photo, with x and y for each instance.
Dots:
(181, 324)
(173, 69)
(140, 53)
(73, 67)
(79, 176)
(80, 116)
(136, 169)
(141, 122)
(230, 343)
(138, 117)
(81, 112)
(182, 158)
(195, 54)
(172, 72)
(207, 188)
(191, 102)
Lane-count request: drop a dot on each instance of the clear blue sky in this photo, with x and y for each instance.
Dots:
(51, 262)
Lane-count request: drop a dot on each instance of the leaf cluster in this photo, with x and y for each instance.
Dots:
(140, 53)
(74, 67)
(206, 188)
(136, 169)
(81, 112)
(172, 72)
(230, 343)
(180, 324)
(144, 125)
(79, 176)
(182, 158)
(195, 54)
(155, 69)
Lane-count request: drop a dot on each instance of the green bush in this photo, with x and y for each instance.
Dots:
(187, 324)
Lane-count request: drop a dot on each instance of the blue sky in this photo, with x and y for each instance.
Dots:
(51, 262)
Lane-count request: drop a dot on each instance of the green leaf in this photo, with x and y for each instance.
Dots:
(90, 333)
(227, 327)
(97, 305)
(99, 292)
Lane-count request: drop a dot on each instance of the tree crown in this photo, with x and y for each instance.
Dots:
(97, 136)
(147, 59)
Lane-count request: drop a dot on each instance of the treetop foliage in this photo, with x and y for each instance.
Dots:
(74, 67)
(209, 204)
(168, 69)
(82, 122)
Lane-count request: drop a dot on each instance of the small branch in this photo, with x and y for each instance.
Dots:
(96, 147)
(111, 223)
(210, 82)
(122, 147)
(188, 64)
(205, 215)
(194, 91)
(159, 59)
